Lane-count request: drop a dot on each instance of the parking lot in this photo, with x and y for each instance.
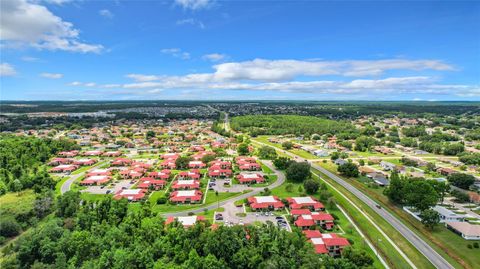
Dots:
(121, 184)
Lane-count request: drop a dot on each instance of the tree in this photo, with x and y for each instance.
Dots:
(430, 218)
(359, 257)
(9, 227)
(68, 204)
(242, 149)
(208, 158)
(282, 162)
(395, 190)
(420, 194)
(453, 149)
(441, 188)
(287, 145)
(364, 143)
(182, 162)
(348, 169)
(267, 152)
(311, 186)
(463, 181)
(298, 171)
(460, 196)
(150, 134)
(334, 155)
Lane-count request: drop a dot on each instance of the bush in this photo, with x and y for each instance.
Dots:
(161, 201)
(469, 246)
(9, 227)
(475, 245)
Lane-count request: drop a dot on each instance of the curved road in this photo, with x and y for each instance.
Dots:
(280, 180)
(436, 259)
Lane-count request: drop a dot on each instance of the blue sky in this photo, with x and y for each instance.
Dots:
(227, 50)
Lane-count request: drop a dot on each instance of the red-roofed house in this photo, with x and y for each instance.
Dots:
(71, 153)
(96, 180)
(196, 164)
(170, 156)
(182, 197)
(186, 184)
(99, 172)
(194, 174)
(324, 220)
(215, 172)
(265, 202)
(58, 161)
(168, 164)
(219, 164)
(245, 159)
(305, 202)
(187, 221)
(112, 153)
(164, 174)
(330, 244)
(147, 182)
(64, 168)
(298, 212)
(197, 148)
(250, 178)
(312, 234)
(202, 154)
(246, 166)
(130, 194)
(121, 162)
(92, 153)
(85, 162)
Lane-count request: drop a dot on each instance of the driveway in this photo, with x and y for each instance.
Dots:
(113, 189)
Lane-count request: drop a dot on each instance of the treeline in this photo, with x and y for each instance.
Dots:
(291, 124)
(22, 162)
(105, 234)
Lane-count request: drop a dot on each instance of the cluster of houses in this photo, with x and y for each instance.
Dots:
(309, 215)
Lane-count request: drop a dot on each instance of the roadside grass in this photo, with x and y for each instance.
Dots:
(271, 180)
(90, 197)
(266, 169)
(451, 246)
(58, 186)
(302, 153)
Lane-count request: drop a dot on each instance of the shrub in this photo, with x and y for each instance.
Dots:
(475, 245)
(9, 227)
(161, 201)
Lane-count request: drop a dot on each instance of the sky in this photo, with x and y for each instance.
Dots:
(239, 50)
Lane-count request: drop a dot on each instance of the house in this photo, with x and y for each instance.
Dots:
(383, 150)
(331, 244)
(379, 179)
(99, 172)
(183, 175)
(387, 166)
(131, 173)
(197, 148)
(92, 153)
(148, 182)
(247, 166)
(250, 178)
(168, 164)
(466, 230)
(320, 153)
(170, 156)
(190, 196)
(445, 171)
(340, 162)
(218, 164)
(64, 168)
(215, 172)
(85, 162)
(244, 159)
(187, 221)
(186, 184)
(447, 215)
(196, 164)
(298, 212)
(324, 220)
(71, 153)
(307, 202)
(96, 180)
(58, 161)
(265, 202)
(130, 194)
(112, 154)
(121, 162)
(164, 174)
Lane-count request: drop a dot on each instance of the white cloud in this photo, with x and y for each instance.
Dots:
(90, 84)
(57, 2)
(106, 13)
(177, 53)
(30, 59)
(142, 78)
(214, 57)
(75, 83)
(191, 21)
(7, 70)
(51, 75)
(27, 23)
(194, 4)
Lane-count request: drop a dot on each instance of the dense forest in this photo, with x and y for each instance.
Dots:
(105, 234)
(22, 161)
(290, 124)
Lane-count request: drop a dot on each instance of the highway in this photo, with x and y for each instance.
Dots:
(436, 259)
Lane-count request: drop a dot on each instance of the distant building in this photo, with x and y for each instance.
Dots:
(466, 230)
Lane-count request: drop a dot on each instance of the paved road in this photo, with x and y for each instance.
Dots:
(280, 180)
(436, 259)
(68, 183)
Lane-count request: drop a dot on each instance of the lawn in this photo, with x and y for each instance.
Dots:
(16, 203)
(302, 153)
(266, 169)
(59, 184)
(93, 197)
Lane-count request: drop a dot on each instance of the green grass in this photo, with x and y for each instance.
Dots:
(212, 197)
(16, 203)
(93, 197)
(266, 169)
(302, 153)
(58, 186)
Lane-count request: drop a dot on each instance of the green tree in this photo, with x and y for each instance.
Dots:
(348, 169)
(282, 162)
(267, 152)
(396, 189)
(298, 171)
(420, 194)
(311, 186)
(287, 145)
(463, 181)
(430, 218)
(242, 149)
(182, 162)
